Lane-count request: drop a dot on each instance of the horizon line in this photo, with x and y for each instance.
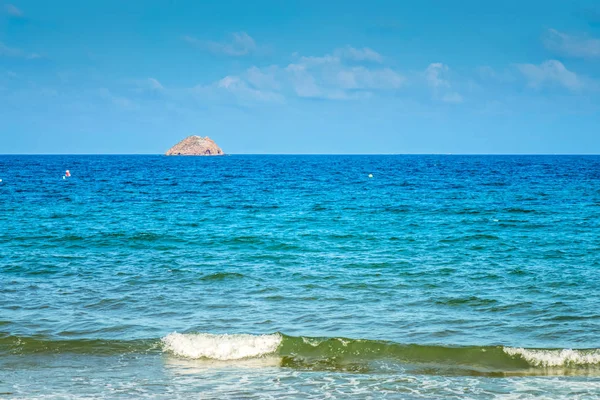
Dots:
(302, 154)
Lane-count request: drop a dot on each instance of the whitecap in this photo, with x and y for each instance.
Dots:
(556, 358)
(220, 347)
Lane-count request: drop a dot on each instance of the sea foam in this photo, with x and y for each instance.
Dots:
(556, 358)
(220, 347)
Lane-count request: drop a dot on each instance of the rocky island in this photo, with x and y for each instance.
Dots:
(196, 146)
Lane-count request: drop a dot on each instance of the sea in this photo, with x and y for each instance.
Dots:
(300, 277)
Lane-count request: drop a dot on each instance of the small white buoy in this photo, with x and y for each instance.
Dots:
(0, 180)
(64, 177)
(370, 175)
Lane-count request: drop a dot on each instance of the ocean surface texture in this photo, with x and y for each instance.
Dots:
(251, 277)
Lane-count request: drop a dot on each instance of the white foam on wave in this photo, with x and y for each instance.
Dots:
(220, 347)
(556, 358)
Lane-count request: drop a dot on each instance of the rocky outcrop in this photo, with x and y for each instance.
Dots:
(196, 146)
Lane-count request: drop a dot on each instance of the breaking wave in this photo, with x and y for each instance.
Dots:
(557, 357)
(221, 347)
(336, 354)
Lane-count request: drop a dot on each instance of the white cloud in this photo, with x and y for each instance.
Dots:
(239, 88)
(436, 78)
(434, 75)
(240, 44)
(571, 45)
(304, 84)
(363, 78)
(329, 77)
(322, 77)
(13, 11)
(550, 73)
(364, 54)
(265, 78)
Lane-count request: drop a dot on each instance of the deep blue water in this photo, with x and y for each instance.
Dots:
(439, 277)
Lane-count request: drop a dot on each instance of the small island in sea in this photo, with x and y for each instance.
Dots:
(195, 146)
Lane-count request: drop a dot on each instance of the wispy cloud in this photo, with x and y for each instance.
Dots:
(6, 51)
(550, 73)
(572, 45)
(241, 88)
(364, 54)
(13, 11)
(330, 77)
(305, 84)
(239, 44)
(153, 84)
(145, 85)
(318, 77)
(264, 78)
(364, 78)
(435, 75)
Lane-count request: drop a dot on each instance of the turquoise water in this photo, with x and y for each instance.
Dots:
(300, 277)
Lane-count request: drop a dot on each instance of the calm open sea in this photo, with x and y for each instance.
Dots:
(441, 277)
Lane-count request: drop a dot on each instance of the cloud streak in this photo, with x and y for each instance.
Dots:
(435, 76)
(572, 45)
(339, 75)
(239, 87)
(154, 84)
(550, 73)
(330, 76)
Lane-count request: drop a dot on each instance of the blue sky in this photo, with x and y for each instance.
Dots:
(300, 76)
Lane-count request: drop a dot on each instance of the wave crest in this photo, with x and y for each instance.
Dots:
(330, 353)
(555, 358)
(221, 347)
